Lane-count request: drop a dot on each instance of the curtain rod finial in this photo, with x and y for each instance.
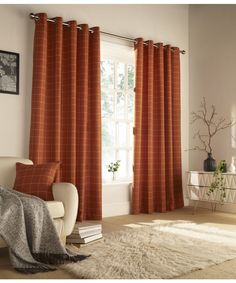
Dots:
(183, 51)
(31, 15)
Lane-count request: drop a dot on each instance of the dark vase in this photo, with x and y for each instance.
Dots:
(210, 163)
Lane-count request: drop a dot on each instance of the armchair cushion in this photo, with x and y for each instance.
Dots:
(56, 209)
(36, 179)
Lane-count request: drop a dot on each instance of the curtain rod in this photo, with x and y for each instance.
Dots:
(35, 17)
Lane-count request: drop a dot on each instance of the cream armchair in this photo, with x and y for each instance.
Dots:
(63, 209)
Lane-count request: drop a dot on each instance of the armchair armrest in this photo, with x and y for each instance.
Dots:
(68, 195)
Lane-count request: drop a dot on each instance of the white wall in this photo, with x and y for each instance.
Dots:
(166, 23)
(213, 71)
(213, 75)
(116, 199)
(16, 35)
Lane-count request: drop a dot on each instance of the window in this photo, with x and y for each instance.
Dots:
(117, 87)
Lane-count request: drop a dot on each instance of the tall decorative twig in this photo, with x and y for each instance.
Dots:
(212, 123)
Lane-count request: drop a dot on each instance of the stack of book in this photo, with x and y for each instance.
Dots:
(84, 233)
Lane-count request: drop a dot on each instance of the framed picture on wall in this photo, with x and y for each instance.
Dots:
(9, 72)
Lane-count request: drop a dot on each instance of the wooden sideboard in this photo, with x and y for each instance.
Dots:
(198, 183)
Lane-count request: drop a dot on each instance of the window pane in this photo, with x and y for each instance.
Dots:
(122, 134)
(130, 100)
(131, 135)
(107, 104)
(107, 74)
(130, 77)
(120, 105)
(108, 133)
(121, 76)
(108, 156)
(122, 156)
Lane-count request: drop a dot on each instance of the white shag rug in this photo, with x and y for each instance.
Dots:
(155, 252)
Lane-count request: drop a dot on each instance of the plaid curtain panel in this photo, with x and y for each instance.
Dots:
(66, 107)
(157, 148)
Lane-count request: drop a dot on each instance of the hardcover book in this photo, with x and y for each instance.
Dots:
(84, 240)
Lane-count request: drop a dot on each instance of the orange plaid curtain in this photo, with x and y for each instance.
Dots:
(157, 149)
(66, 107)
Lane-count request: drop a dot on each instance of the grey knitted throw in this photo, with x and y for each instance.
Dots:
(27, 228)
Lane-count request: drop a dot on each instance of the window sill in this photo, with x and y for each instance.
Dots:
(118, 182)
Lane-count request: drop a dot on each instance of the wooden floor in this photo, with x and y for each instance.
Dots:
(226, 270)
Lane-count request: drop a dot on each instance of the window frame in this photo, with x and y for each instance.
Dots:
(120, 54)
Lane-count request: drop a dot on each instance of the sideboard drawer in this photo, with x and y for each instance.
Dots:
(199, 182)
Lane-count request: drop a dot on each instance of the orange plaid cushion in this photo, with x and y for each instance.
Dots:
(36, 179)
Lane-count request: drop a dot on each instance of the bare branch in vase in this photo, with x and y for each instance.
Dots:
(212, 124)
